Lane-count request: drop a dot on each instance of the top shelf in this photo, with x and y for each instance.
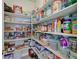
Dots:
(16, 15)
(63, 12)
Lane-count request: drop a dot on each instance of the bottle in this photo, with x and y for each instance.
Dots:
(55, 25)
(74, 26)
(52, 26)
(62, 25)
(58, 25)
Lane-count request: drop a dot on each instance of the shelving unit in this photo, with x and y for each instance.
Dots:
(63, 12)
(68, 10)
(20, 49)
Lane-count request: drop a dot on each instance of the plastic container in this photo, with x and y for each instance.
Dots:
(67, 25)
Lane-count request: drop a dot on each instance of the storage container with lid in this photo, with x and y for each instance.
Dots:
(67, 25)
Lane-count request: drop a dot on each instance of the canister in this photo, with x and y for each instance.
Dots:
(67, 25)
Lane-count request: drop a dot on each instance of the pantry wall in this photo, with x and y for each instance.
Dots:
(40, 29)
